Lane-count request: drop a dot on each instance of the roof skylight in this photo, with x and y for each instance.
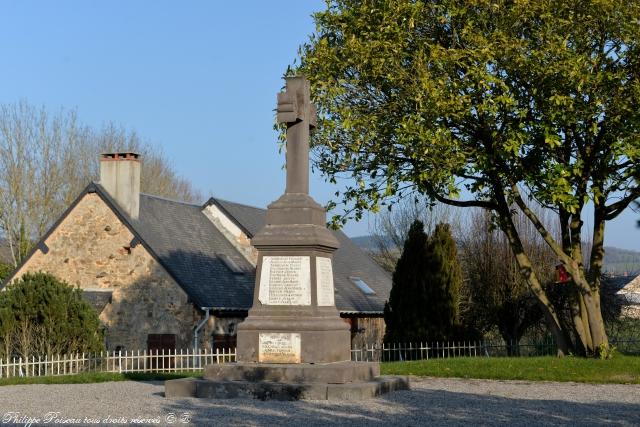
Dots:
(362, 285)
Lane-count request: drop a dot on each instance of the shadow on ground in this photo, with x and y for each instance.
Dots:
(408, 408)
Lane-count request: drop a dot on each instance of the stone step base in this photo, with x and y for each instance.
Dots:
(300, 373)
(269, 390)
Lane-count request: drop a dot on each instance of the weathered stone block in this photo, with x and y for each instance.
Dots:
(269, 390)
(184, 387)
(367, 389)
(329, 373)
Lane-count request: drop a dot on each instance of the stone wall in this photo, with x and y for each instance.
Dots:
(91, 249)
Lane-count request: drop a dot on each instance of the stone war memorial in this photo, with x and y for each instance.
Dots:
(293, 344)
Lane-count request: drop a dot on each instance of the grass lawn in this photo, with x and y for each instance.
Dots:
(620, 369)
(97, 377)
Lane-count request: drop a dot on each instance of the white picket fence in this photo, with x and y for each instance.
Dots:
(118, 362)
(196, 360)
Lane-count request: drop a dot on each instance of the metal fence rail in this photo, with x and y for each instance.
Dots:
(118, 362)
(423, 351)
(626, 346)
(418, 351)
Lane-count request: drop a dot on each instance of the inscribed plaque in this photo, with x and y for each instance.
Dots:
(324, 273)
(285, 280)
(279, 348)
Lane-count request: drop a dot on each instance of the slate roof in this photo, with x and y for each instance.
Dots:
(188, 245)
(349, 261)
(616, 283)
(191, 249)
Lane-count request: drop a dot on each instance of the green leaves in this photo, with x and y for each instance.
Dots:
(442, 96)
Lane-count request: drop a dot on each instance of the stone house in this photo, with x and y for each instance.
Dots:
(168, 274)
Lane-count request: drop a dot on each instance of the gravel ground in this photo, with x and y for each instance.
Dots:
(431, 401)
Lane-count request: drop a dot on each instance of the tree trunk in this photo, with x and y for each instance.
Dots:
(596, 323)
(527, 272)
(582, 337)
(592, 298)
(584, 319)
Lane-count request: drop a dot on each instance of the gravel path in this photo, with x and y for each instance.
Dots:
(432, 401)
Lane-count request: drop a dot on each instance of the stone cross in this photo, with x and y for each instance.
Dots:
(296, 110)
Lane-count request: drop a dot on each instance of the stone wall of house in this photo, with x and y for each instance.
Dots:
(631, 311)
(91, 249)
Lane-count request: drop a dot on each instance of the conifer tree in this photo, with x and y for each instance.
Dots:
(404, 313)
(444, 279)
(423, 304)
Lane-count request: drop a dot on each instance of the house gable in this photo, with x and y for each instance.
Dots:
(92, 248)
(231, 229)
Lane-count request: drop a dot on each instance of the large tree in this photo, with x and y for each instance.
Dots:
(488, 104)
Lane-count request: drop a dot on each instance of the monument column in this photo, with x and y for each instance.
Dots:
(294, 318)
(293, 344)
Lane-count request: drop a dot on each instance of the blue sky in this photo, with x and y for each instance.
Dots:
(197, 78)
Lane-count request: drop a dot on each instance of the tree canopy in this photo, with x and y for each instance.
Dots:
(491, 104)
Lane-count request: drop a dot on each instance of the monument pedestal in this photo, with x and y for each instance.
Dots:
(293, 344)
(279, 339)
(323, 381)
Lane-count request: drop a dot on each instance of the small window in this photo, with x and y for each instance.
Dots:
(230, 264)
(362, 286)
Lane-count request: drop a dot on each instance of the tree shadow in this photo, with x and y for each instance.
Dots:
(408, 408)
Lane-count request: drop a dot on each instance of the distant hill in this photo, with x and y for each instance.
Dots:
(365, 242)
(621, 261)
(616, 261)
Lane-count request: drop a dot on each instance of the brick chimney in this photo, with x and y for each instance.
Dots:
(120, 177)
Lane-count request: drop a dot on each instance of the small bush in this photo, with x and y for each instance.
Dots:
(42, 315)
